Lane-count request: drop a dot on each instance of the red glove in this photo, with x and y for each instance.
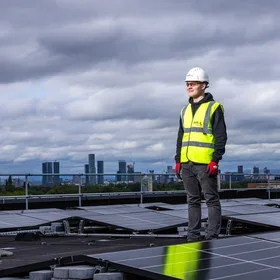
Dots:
(178, 170)
(212, 168)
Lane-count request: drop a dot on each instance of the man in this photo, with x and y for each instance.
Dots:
(201, 144)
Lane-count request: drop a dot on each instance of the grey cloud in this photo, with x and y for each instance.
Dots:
(139, 51)
(65, 45)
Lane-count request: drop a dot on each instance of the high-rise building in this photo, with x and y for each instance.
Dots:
(240, 169)
(92, 169)
(100, 170)
(44, 171)
(86, 172)
(130, 169)
(122, 169)
(47, 169)
(266, 170)
(56, 178)
(256, 170)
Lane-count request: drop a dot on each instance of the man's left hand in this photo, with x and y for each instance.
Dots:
(213, 168)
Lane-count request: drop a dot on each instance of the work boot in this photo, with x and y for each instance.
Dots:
(196, 239)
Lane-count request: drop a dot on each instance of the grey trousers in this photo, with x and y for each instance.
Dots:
(196, 179)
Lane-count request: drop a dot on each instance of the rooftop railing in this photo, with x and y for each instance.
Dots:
(227, 180)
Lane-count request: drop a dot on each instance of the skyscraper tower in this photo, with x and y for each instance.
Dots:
(56, 178)
(122, 169)
(86, 172)
(256, 170)
(100, 169)
(92, 169)
(47, 169)
(44, 171)
(240, 168)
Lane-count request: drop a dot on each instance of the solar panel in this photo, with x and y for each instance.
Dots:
(183, 206)
(267, 219)
(271, 236)
(274, 201)
(251, 209)
(118, 209)
(237, 258)
(204, 213)
(145, 221)
(247, 199)
(229, 203)
(153, 204)
(32, 211)
(254, 201)
(19, 221)
(184, 213)
(49, 216)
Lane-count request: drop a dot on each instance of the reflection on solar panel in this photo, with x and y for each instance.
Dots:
(237, 258)
(143, 221)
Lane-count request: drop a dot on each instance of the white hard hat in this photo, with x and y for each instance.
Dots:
(197, 74)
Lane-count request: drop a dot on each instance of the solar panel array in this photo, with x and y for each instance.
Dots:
(241, 258)
(144, 217)
(132, 218)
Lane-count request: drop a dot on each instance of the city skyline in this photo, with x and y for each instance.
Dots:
(109, 79)
(124, 166)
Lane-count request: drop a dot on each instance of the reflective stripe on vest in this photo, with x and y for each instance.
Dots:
(182, 261)
(198, 140)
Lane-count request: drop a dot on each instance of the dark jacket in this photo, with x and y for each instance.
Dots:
(218, 126)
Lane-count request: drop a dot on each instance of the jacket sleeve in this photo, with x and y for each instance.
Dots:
(220, 134)
(179, 141)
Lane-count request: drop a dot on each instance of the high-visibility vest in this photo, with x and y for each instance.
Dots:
(182, 261)
(198, 139)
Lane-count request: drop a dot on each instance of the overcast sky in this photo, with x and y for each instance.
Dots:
(107, 77)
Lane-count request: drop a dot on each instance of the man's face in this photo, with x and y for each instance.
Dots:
(195, 89)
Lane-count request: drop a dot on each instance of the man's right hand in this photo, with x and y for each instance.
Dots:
(178, 170)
